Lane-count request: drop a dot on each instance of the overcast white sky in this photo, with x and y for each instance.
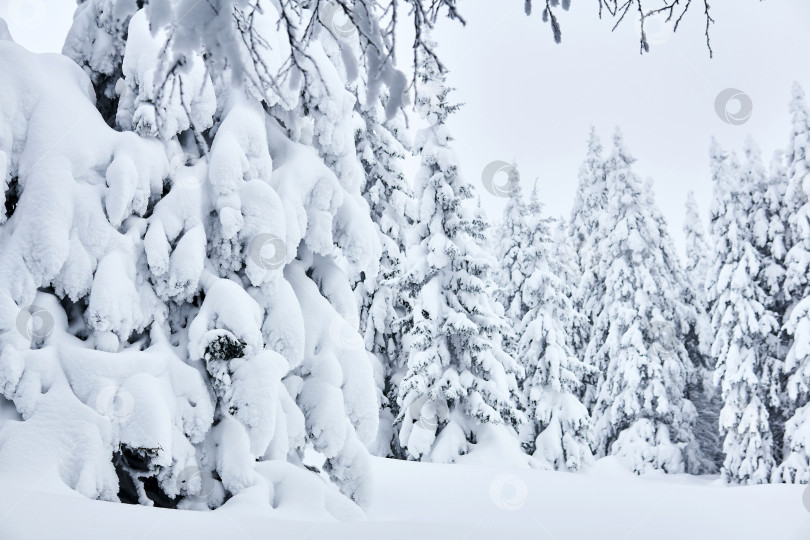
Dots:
(531, 101)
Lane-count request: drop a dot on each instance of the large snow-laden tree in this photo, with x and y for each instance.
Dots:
(640, 413)
(695, 331)
(740, 324)
(768, 229)
(299, 141)
(202, 279)
(585, 232)
(795, 466)
(566, 258)
(558, 431)
(458, 378)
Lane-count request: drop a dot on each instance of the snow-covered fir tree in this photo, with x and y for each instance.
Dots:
(569, 272)
(585, 232)
(459, 380)
(768, 229)
(513, 240)
(640, 413)
(795, 465)
(558, 431)
(382, 151)
(538, 303)
(512, 233)
(585, 227)
(740, 324)
(695, 331)
(698, 339)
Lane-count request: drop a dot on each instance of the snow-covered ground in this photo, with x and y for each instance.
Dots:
(424, 500)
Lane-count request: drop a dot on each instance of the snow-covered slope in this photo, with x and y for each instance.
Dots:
(426, 500)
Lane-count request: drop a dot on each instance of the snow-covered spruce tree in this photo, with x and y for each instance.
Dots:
(795, 465)
(589, 202)
(701, 390)
(458, 379)
(740, 324)
(558, 431)
(695, 328)
(640, 413)
(513, 239)
(196, 271)
(768, 228)
(381, 151)
(585, 232)
(569, 272)
(539, 306)
(698, 340)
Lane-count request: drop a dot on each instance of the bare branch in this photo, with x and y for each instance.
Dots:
(618, 10)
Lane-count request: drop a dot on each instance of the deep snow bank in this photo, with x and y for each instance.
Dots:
(423, 500)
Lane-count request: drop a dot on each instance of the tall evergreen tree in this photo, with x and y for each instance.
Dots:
(458, 376)
(197, 279)
(795, 466)
(559, 429)
(591, 198)
(585, 232)
(740, 324)
(539, 305)
(768, 230)
(640, 412)
(569, 272)
(382, 152)
(585, 226)
(513, 238)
